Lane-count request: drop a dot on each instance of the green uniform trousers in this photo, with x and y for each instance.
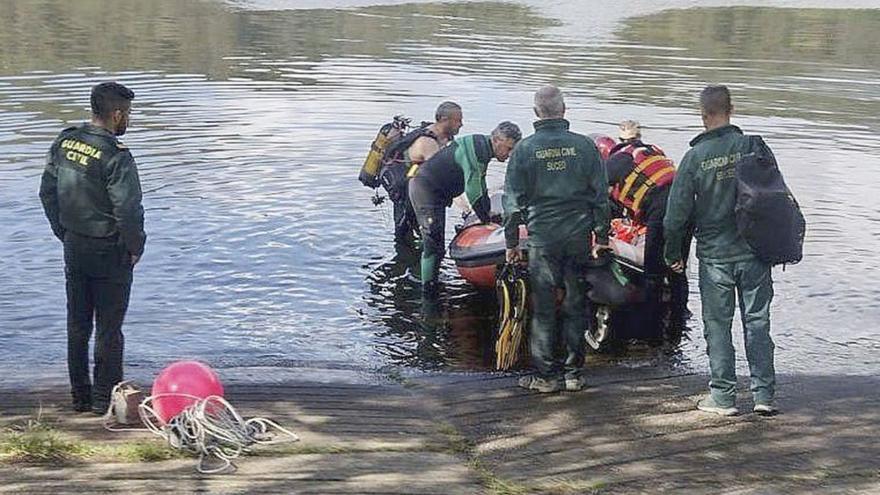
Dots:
(551, 268)
(720, 285)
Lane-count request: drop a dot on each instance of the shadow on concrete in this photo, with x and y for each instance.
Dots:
(638, 431)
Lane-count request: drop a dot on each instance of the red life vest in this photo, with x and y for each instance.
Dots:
(652, 169)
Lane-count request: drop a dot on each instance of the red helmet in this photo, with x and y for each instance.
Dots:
(604, 144)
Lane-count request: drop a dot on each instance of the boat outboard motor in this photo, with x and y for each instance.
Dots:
(609, 286)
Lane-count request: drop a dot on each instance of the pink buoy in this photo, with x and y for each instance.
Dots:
(181, 384)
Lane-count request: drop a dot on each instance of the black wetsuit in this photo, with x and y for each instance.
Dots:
(405, 223)
(431, 190)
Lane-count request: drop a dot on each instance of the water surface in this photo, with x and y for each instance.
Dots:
(252, 119)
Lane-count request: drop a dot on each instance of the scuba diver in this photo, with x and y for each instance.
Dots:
(459, 168)
(411, 150)
(556, 184)
(640, 176)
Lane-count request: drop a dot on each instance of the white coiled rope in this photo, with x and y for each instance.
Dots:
(211, 428)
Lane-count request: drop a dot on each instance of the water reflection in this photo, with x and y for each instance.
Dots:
(815, 64)
(456, 330)
(250, 126)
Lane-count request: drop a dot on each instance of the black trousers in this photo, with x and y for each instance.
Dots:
(655, 269)
(99, 277)
(405, 223)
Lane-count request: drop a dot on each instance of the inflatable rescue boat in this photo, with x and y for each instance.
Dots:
(617, 280)
(478, 249)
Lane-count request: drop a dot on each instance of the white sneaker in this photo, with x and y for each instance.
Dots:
(575, 384)
(766, 410)
(707, 404)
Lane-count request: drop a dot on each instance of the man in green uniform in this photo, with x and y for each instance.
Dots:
(557, 186)
(459, 168)
(91, 195)
(705, 191)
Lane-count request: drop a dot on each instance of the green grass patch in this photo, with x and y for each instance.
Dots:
(140, 451)
(571, 488)
(495, 485)
(458, 444)
(37, 442)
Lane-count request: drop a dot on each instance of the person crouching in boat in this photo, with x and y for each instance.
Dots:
(456, 169)
(640, 176)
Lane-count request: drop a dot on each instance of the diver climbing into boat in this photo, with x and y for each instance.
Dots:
(460, 168)
(395, 152)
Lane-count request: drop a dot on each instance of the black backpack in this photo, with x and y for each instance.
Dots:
(392, 175)
(767, 215)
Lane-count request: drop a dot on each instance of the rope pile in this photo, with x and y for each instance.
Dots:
(211, 428)
(512, 288)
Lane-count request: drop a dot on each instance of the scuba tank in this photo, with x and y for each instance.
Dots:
(388, 133)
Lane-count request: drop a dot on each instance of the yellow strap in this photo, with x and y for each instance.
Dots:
(640, 194)
(412, 171)
(631, 178)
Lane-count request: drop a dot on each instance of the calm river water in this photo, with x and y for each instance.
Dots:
(253, 117)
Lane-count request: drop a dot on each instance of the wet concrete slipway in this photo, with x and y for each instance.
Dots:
(267, 260)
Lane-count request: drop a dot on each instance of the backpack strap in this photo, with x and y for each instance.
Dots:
(425, 132)
(759, 147)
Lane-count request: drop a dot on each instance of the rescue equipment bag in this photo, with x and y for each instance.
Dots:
(395, 166)
(388, 134)
(124, 401)
(767, 214)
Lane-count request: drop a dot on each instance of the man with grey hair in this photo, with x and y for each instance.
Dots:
(556, 185)
(705, 190)
(459, 168)
(424, 142)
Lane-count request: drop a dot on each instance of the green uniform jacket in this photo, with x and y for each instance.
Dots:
(91, 187)
(704, 192)
(557, 186)
(473, 168)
